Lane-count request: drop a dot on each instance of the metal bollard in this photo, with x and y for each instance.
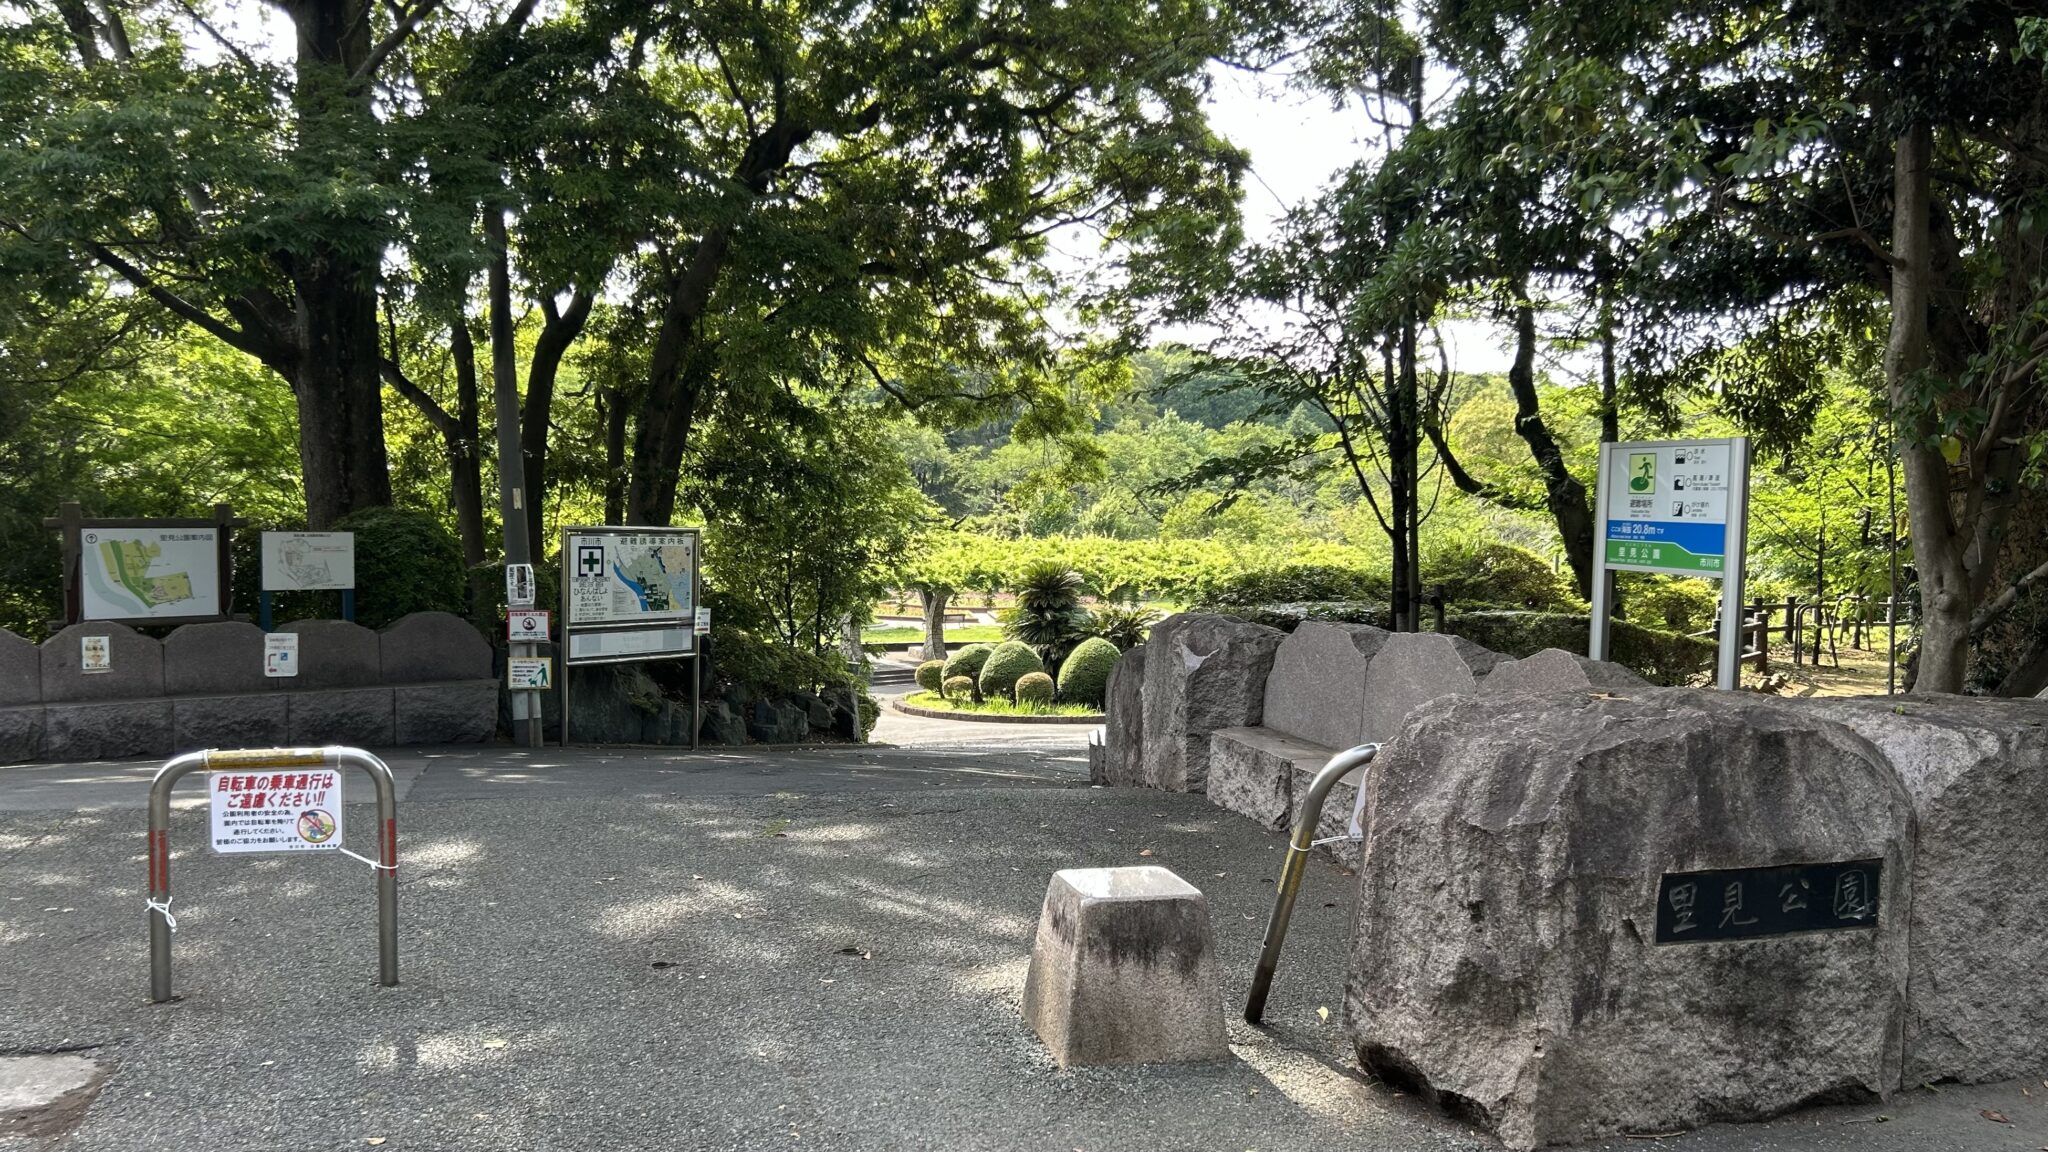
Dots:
(1303, 841)
(256, 759)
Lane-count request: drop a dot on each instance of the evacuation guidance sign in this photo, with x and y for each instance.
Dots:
(288, 810)
(1667, 506)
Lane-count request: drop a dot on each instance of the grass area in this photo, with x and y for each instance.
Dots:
(939, 703)
(955, 635)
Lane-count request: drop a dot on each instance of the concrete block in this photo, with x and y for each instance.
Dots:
(363, 717)
(136, 670)
(252, 721)
(1316, 691)
(1411, 669)
(1123, 722)
(217, 659)
(1977, 771)
(1123, 970)
(111, 730)
(1202, 673)
(21, 671)
(459, 713)
(336, 654)
(1528, 852)
(1556, 670)
(1252, 772)
(21, 734)
(432, 648)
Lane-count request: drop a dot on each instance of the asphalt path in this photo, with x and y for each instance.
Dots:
(800, 948)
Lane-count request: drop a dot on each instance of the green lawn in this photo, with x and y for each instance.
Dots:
(999, 707)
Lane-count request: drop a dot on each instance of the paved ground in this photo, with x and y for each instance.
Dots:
(802, 949)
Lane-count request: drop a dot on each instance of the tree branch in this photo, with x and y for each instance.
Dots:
(392, 41)
(181, 307)
(2007, 600)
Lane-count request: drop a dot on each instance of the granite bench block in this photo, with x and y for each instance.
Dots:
(111, 730)
(252, 721)
(21, 734)
(362, 717)
(457, 713)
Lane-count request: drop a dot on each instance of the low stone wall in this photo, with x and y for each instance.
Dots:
(424, 679)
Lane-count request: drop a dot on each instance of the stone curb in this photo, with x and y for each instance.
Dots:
(987, 718)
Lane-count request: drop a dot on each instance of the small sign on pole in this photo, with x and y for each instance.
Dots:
(526, 625)
(519, 585)
(95, 654)
(297, 810)
(281, 654)
(703, 621)
(529, 673)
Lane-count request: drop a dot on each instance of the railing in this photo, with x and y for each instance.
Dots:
(1831, 623)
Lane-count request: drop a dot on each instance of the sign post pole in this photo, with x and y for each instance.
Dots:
(1728, 673)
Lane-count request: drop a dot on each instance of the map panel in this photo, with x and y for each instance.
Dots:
(149, 573)
(308, 561)
(638, 578)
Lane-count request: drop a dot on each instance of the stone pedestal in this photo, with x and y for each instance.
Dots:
(1581, 917)
(1977, 770)
(1123, 970)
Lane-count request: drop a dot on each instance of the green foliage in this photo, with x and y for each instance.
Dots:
(1010, 660)
(739, 656)
(406, 561)
(1674, 603)
(931, 675)
(1486, 573)
(1048, 615)
(1291, 583)
(968, 662)
(999, 706)
(1123, 626)
(958, 688)
(1287, 617)
(1084, 677)
(1658, 656)
(1034, 688)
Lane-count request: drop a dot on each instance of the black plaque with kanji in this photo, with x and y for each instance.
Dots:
(1739, 903)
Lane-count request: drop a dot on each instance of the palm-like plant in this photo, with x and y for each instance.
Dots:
(1123, 625)
(1048, 615)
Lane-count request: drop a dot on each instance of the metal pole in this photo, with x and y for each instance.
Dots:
(1296, 866)
(1603, 580)
(511, 462)
(257, 758)
(1735, 558)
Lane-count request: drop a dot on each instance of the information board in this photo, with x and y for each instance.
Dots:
(1667, 507)
(294, 810)
(281, 654)
(641, 578)
(1679, 508)
(529, 673)
(149, 573)
(308, 561)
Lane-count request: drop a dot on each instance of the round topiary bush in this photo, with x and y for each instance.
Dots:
(1084, 678)
(1034, 688)
(957, 688)
(968, 661)
(931, 675)
(1011, 659)
(406, 561)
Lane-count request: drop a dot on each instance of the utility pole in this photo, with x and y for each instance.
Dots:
(526, 706)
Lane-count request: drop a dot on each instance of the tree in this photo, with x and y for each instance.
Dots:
(251, 203)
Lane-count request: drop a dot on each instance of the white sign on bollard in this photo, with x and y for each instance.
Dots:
(281, 654)
(295, 810)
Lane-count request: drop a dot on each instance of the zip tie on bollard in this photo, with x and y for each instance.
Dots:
(163, 907)
(365, 859)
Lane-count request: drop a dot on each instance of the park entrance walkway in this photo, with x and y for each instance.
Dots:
(816, 948)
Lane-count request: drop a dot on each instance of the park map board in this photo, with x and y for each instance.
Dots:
(149, 573)
(644, 578)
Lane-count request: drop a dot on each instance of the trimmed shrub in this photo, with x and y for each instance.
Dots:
(1084, 678)
(967, 661)
(1676, 603)
(1010, 660)
(931, 675)
(1034, 688)
(406, 561)
(1492, 573)
(958, 688)
(1288, 617)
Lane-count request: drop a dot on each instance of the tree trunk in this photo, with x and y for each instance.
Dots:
(934, 621)
(1563, 494)
(1937, 545)
(556, 336)
(336, 369)
(465, 456)
(518, 547)
(614, 418)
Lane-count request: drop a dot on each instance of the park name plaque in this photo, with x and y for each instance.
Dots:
(1743, 903)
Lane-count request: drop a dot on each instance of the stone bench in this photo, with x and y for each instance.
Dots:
(1123, 970)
